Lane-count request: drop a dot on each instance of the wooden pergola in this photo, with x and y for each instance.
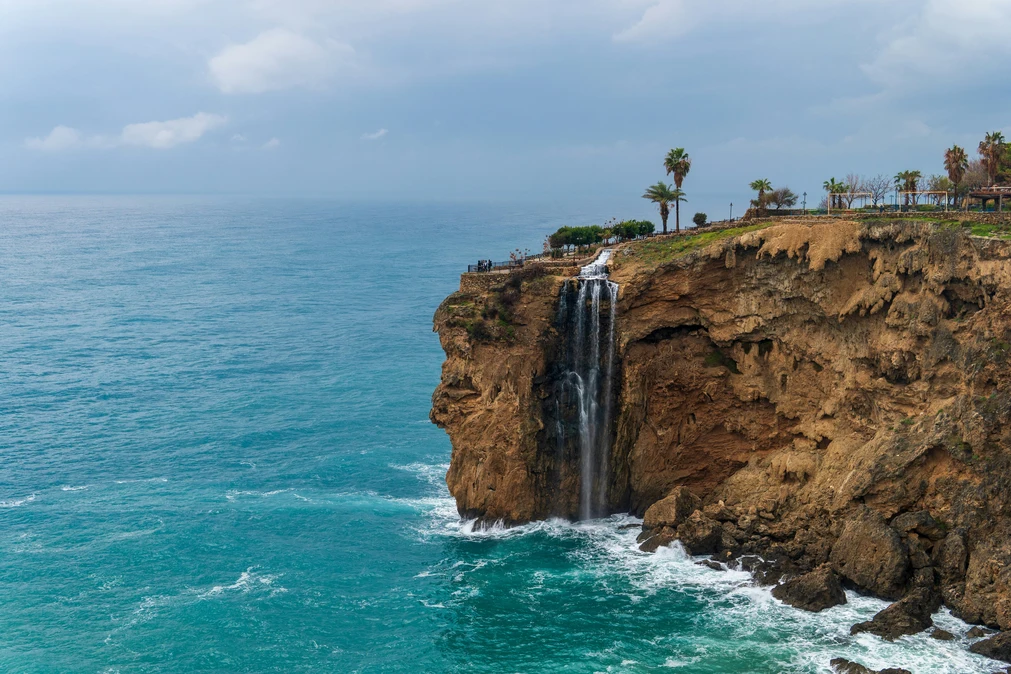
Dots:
(995, 192)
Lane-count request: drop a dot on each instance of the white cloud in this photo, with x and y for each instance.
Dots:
(666, 19)
(271, 144)
(277, 59)
(962, 42)
(60, 138)
(381, 133)
(163, 135)
(157, 135)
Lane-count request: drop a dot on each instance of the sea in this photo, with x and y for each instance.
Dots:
(215, 456)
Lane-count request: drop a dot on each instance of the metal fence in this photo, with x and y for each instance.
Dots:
(489, 265)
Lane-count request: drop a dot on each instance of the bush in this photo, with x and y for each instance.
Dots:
(700, 219)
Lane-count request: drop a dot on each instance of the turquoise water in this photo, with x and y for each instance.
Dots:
(215, 457)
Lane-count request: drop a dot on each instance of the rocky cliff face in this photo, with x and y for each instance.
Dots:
(836, 395)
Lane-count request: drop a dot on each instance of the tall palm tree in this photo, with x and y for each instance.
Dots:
(956, 162)
(991, 149)
(664, 195)
(677, 162)
(761, 186)
(834, 189)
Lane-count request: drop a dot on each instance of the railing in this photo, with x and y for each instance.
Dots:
(489, 265)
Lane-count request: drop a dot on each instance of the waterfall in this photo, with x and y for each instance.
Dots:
(586, 314)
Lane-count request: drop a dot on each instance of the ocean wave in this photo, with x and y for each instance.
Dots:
(232, 494)
(248, 581)
(736, 606)
(432, 474)
(17, 502)
(142, 480)
(70, 488)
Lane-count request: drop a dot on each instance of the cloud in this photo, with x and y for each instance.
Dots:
(60, 138)
(946, 43)
(277, 59)
(271, 144)
(156, 135)
(381, 133)
(163, 135)
(666, 19)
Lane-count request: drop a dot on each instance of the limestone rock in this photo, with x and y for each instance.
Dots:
(844, 666)
(997, 647)
(921, 522)
(871, 555)
(910, 615)
(672, 510)
(815, 591)
(979, 631)
(942, 635)
(700, 535)
(653, 539)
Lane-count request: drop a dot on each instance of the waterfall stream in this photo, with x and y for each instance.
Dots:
(587, 314)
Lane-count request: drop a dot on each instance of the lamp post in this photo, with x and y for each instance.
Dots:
(805, 203)
(731, 211)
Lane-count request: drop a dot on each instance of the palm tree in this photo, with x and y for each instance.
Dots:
(991, 149)
(834, 189)
(677, 162)
(956, 161)
(907, 181)
(663, 195)
(761, 186)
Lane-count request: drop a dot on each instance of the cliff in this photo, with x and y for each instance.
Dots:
(831, 395)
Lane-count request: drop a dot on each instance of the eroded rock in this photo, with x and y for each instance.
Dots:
(871, 555)
(844, 666)
(700, 535)
(671, 510)
(996, 647)
(910, 615)
(814, 591)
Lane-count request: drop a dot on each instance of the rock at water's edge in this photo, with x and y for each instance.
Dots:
(871, 555)
(814, 591)
(998, 647)
(844, 666)
(672, 510)
(908, 616)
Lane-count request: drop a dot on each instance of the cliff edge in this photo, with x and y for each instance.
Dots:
(832, 395)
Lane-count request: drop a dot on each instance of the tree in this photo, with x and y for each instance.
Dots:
(879, 186)
(761, 186)
(956, 162)
(854, 183)
(938, 183)
(663, 196)
(834, 189)
(991, 151)
(678, 163)
(700, 219)
(908, 181)
(782, 198)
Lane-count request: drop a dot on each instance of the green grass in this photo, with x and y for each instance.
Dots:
(993, 231)
(660, 252)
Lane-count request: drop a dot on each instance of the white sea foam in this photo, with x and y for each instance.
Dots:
(741, 609)
(142, 480)
(233, 494)
(17, 502)
(69, 488)
(248, 581)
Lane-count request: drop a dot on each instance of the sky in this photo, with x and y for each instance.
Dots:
(538, 100)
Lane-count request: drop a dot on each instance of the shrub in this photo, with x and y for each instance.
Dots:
(700, 219)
